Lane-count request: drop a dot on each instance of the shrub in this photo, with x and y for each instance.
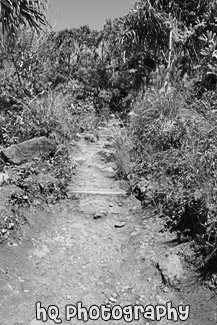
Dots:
(175, 162)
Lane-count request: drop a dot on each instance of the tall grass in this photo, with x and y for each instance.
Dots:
(174, 150)
(47, 115)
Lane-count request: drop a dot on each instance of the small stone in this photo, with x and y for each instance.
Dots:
(149, 279)
(68, 297)
(120, 204)
(90, 137)
(113, 300)
(143, 255)
(97, 216)
(114, 295)
(126, 288)
(166, 290)
(11, 225)
(109, 170)
(80, 160)
(120, 224)
(142, 297)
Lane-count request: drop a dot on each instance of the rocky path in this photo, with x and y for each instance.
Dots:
(97, 248)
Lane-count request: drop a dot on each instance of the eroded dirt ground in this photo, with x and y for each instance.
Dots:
(95, 246)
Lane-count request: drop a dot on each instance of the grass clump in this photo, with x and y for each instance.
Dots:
(48, 116)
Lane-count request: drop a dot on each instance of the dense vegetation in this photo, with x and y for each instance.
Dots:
(171, 137)
(156, 67)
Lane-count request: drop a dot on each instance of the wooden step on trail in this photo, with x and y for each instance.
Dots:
(105, 193)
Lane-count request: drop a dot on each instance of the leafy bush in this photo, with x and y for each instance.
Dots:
(45, 180)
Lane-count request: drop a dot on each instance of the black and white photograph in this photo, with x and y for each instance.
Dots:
(108, 162)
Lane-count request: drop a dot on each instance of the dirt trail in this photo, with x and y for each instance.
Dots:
(90, 248)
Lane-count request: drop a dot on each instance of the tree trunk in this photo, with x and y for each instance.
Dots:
(170, 36)
(170, 46)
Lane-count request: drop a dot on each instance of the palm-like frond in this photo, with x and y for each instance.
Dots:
(15, 13)
(145, 22)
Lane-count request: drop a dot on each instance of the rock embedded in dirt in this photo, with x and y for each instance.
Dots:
(166, 290)
(80, 160)
(109, 170)
(90, 137)
(171, 269)
(28, 150)
(112, 299)
(97, 216)
(143, 253)
(114, 295)
(120, 224)
(107, 144)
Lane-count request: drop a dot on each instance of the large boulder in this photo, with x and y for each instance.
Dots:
(28, 150)
(171, 269)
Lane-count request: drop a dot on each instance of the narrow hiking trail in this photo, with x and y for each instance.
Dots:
(97, 247)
